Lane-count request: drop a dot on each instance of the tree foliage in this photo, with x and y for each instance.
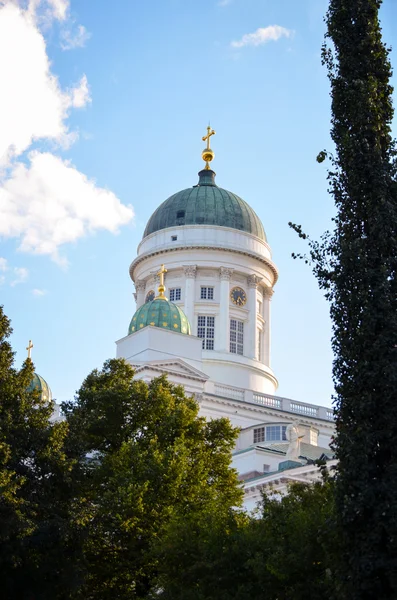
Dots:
(285, 552)
(144, 458)
(356, 265)
(34, 471)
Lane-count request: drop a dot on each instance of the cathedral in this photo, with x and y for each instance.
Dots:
(204, 280)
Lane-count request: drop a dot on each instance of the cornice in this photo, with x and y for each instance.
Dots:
(267, 410)
(253, 255)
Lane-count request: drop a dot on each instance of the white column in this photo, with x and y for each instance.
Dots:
(190, 288)
(267, 296)
(140, 292)
(222, 331)
(250, 350)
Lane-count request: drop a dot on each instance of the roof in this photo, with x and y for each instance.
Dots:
(40, 384)
(307, 451)
(206, 204)
(160, 313)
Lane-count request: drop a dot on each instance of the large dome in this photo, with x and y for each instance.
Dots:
(160, 313)
(206, 204)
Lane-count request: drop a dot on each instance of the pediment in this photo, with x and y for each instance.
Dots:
(177, 367)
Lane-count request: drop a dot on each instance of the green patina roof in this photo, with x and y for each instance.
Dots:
(40, 384)
(206, 204)
(160, 313)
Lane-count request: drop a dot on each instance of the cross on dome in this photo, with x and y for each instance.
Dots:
(208, 154)
(161, 287)
(29, 348)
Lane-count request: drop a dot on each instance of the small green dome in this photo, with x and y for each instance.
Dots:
(40, 384)
(206, 204)
(160, 313)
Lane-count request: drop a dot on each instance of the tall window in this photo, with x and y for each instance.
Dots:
(236, 336)
(206, 331)
(206, 293)
(175, 294)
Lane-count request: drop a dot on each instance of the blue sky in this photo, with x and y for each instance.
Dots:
(103, 119)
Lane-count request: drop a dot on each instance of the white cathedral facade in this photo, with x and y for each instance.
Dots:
(204, 280)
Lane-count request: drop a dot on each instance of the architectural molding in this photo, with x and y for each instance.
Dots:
(268, 292)
(140, 285)
(268, 263)
(253, 281)
(225, 273)
(190, 271)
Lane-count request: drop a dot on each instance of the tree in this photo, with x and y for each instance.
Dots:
(356, 265)
(33, 475)
(285, 552)
(144, 458)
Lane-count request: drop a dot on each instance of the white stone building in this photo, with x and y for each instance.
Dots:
(211, 331)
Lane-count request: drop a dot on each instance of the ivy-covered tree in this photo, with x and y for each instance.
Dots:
(34, 471)
(144, 458)
(356, 265)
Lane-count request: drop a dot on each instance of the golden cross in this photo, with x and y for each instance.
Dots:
(161, 274)
(207, 137)
(29, 348)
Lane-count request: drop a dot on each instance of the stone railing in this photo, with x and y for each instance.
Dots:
(276, 402)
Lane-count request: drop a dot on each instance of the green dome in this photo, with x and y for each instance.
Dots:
(206, 204)
(40, 384)
(160, 313)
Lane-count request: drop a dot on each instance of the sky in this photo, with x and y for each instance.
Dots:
(102, 111)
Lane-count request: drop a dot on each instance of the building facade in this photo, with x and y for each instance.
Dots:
(205, 320)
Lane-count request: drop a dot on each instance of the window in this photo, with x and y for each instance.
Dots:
(270, 433)
(259, 345)
(206, 331)
(259, 435)
(207, 293)
(174, 238)
(276, 433)
(259, 307)
(236, 336)
(266, 468)
(313, 437)
(175, 294)
(180, 214)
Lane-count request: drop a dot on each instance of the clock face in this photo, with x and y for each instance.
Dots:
(150, 296)
(238, 296)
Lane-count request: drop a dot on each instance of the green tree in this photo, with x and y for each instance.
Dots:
(33, 475)
(357, 267)
(286, 552)
(144, 458)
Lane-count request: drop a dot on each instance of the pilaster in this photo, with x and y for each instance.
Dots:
(190, 272)
(140, 286)
(267, 296)
(222, 335)
(253, 281)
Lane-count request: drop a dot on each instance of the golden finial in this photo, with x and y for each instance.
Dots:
(208, 154)
(29, 348)
(161, 287)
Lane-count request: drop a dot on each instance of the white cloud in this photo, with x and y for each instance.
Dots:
(224, 2)
(272, 33)
(76, 38)
(45, 202)
(38, 293)
(34, 106)
(3, 264)
(81, 94)
(50, 203)
(21, 275)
